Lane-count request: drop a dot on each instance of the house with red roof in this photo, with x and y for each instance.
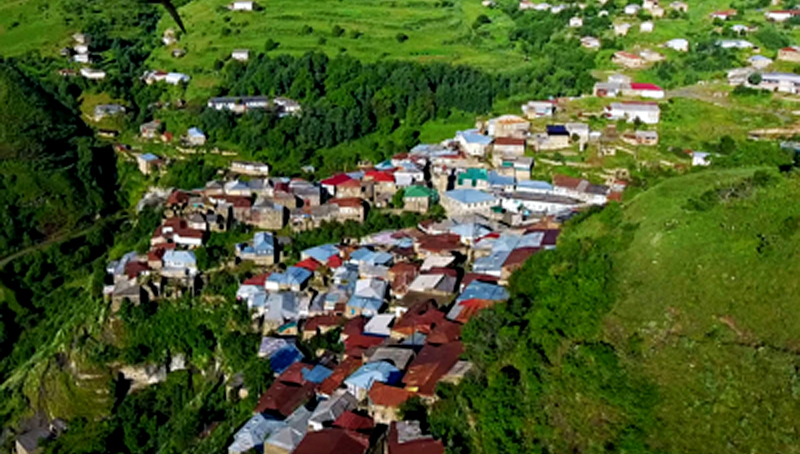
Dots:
(350, 209)
(333, 441)
(340, 373)
(331, 184)
(384, 402)
(431, 364)
(356, 422)
(643, 90)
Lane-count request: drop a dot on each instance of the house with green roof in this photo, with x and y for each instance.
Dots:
(419, 198)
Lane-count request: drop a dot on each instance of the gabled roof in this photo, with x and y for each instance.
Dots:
(470, 196)
(340, 372)
(283, 398)
(333, 441)
(422, 317)
(388, 396)
(405, 437)
(336, 180)
(330, 409)
(432, 363)
(350, 420)
(368, 374)
(418, 191)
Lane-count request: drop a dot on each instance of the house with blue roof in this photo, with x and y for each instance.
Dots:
(262, 251)
(360, 305)
(361, 381)
(148, 162)
(195, 137)
(294, 279)
(179, 264)
(316, 375)
(285, 357)
(320, 253)
(477, 290)
(278, 308)
(500, 182)
(535, 186)
(473, 143)
(491, 264)
(468, 201)
(250, 438)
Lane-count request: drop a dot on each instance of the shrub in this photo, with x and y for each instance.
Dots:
(306, 30)
(401, 37)
(337, 31)
(271, 45)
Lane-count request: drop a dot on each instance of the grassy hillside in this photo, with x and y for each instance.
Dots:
(670, 324)
(713, 296)
(371, 27)
(27, 25)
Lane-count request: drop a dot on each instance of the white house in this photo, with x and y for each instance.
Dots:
(240, 54)
(590, 42)
(176, 78)
(647, 112)
(632, 9)
(467, 201)
(622, 29)
(782, 82)
(94, 74)
(82, 58)
(735, 44)
(782, 15)
(646, 27)
(241, 6)
(701, 159)
(537, 202)
(576, 22)
(473, 142)
(678, 44)
(759, 61)
(539, 109)
(723, 15)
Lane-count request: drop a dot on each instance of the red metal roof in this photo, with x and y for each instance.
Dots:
(334, 261)
(283, 398)
(388, 396)
(509, 141)
(336, 180)
(348, 202)
(309, 264)
(340, 372)
(421, 317)
(645, 87)
(333, 441)
(322, 321)
(353, 421)
(432, 363)
(259, 280)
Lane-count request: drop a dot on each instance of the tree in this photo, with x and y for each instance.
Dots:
(401, 37)
(397, 199)
(270, 45)
(483, 19)
(754, 79)
(337, 31)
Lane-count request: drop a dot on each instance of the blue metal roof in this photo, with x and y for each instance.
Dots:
(469, 196)
(317, 375)
(285, 357)
(195, 132)
(483, 291)
(557, 130)
(322, 253)
(473, 136)
(495, 179)
(368, 374)
(534, 185)
(149, 157)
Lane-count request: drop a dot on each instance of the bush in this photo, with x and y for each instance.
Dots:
(306, 30)
(483, 19)
(337, 31)
(271, 45)
(401, 37)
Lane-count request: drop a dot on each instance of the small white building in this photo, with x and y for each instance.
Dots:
(539, 109)
(576, 22)
(590, 42)
(632, 9)
(678, 44)
(700, 159)
(782, 15)
(759, 61)
(735, 44)
(82, 58)
(242, 6)
(240, 54)
(646, 27)
(473, 142)
(93, 74)
(647, 112)
(176, 78)
(622, 29)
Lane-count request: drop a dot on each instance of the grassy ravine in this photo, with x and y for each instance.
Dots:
(712, 295)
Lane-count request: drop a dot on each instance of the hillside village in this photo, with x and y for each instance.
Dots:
(396, 300)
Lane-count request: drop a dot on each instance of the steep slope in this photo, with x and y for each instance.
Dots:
(668, 325)
(51, 175)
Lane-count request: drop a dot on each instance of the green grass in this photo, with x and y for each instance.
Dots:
(713, 297)
(435, 34)
(31, 25)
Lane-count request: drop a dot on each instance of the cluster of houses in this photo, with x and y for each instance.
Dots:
(398, 301)
(80, 53)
